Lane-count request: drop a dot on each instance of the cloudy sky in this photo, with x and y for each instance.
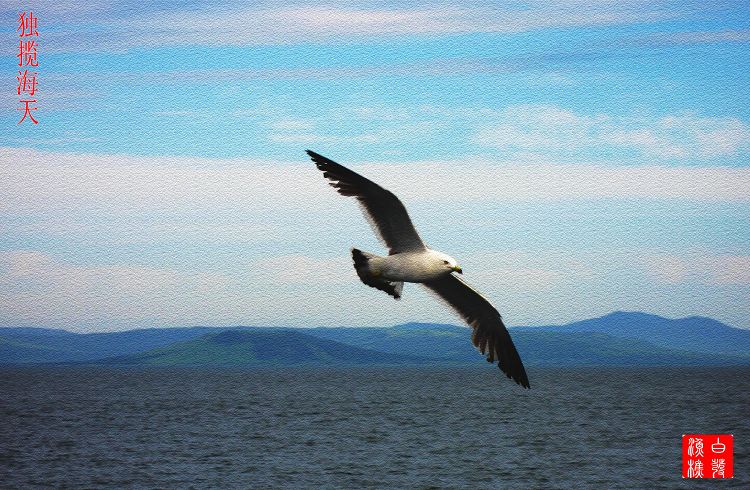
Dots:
(576, 157)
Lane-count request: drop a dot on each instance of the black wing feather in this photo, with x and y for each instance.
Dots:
(489, 333)
(383, 209)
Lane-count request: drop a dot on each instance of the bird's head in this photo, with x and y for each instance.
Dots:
(450, 264)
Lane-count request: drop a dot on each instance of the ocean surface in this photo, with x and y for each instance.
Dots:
(368, 427)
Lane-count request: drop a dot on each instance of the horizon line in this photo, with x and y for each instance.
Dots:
(230, 327)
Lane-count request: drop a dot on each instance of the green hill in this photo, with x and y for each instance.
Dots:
(257, 348)
(615, 339)
(537, 346)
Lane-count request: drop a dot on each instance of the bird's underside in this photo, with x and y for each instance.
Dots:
(361, 265)
(409, 260)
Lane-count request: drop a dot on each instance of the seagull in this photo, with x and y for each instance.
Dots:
(410, 260)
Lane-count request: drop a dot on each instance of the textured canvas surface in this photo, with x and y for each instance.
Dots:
(169, 252)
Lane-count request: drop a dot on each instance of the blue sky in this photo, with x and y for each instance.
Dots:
(576, 158)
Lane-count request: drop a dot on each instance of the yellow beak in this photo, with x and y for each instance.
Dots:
(458, 269)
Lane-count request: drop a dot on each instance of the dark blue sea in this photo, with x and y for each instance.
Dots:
(352, 428)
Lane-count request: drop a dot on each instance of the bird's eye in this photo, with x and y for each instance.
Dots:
(445, 262)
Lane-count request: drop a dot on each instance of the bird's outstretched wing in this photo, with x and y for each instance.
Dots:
(489, 333)
(386, 213)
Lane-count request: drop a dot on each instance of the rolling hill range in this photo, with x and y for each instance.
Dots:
(544, 346)
(619, 338)
(695, 333)
(41, 345)
(258, 348)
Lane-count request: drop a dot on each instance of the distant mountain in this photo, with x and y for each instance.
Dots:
(38, 345)
(36, 331)
(616, 339)
(541, 346)
(433, 340)
(18, 351)
(257, 348)
(599, 349)
(695, 333)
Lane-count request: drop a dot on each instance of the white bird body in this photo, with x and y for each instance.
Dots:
(410, 260)
(418, 266)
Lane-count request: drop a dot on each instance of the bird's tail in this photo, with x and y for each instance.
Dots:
(361, 260)
(369, 277)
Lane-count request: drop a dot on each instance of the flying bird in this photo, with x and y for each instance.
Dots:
(410, 260)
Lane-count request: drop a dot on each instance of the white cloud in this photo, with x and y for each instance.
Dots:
(121, 28)
(551, 129)
(707, 268)
(534, 127)
(34, 181)
(386, 135)
(238, 240)
(304, 270)
(523, 271)
(39, 289)
(709, 137)
(700, 37)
